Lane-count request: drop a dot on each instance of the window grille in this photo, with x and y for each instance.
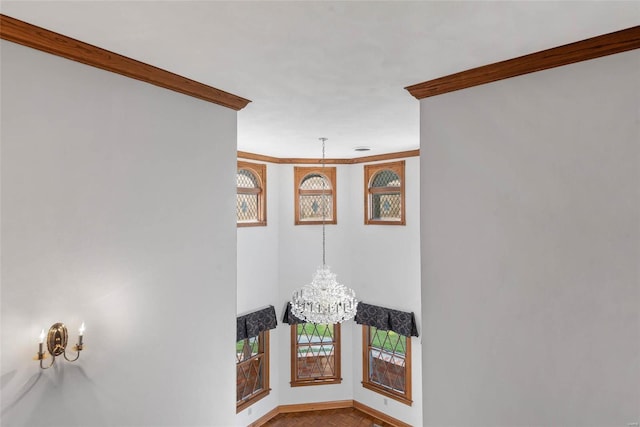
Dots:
(251, 194)
(315, 195)
(384, 193)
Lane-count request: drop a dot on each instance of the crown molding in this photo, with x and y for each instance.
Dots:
(29, 35)
(314, 161)
(595, 47)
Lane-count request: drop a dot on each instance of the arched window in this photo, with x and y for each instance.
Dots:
(251, 197)
(384, 193)
(315, 193)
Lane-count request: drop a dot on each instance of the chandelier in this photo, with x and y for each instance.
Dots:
(324, 300)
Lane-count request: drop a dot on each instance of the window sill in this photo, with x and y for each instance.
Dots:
(241, 406)
(316, 382)
(381, 390)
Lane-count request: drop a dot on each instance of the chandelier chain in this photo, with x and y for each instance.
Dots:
(324, 207)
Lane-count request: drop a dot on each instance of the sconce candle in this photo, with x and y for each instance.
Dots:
(40, 352)
(57, 344)
(81, 331)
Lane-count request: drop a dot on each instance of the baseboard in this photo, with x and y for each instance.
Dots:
(321, 406)
(380, 415)
(317, 406)
(266, 417)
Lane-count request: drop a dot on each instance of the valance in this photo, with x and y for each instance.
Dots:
(387, 319)
(250, 325)
(289, 316)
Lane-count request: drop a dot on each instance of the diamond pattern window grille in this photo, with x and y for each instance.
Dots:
(250, 196)
(385, 200)
(315, 351)
(315, 182)
(247, 207)
(387, 359)
(311, 207)
(250, 375)
(386, 178)
(246, 179)
(316, 354)
(386, 207)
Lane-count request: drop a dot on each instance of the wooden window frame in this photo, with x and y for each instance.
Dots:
(334, 379)
(369, 172)
(299, 173)
(366, 380)
(263, 353)
(259, 170)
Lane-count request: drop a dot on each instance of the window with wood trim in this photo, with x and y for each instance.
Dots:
(386, 363)
(251, 197)
(252, 370)
(315, 354)
(384, 193)
(315, 193)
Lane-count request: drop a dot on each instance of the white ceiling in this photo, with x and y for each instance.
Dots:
(325, 69)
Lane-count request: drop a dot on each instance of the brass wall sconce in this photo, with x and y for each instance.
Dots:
(57, 339)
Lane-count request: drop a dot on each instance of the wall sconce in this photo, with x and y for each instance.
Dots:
(57, 344)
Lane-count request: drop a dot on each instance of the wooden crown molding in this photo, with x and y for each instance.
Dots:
(23, 33)
(296, 161)
(595, 47)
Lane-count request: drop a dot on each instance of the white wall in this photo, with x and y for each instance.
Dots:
(381, 263)
(300, 254)
(530, 197)
(117, 210)
(386, 272)
(258, 286)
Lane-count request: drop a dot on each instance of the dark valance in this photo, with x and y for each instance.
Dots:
(289, 317)
(387, 319)
(250, 325)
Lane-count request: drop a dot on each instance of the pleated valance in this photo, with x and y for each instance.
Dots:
(387, 319)
(289, 316)
(250, 325)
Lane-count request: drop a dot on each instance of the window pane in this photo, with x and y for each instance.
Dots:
(315, 182)
(245, 179)
(247, 348)
(311, 207)
(315, 351)
(249, 378)
(386, 178)
(247, 207)
(386, 207)
(387, 359)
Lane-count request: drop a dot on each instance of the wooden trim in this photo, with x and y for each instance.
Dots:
(334, 379)
(258, 157)
(402, 398)
(316, 406)
(369, 171)
(595, 47)
(390, 156)
(29, 35)
(260, 171)
(321, 406)
(380, 415)
(356, 160)
(266, 417)
(299, 172)
(263, 342)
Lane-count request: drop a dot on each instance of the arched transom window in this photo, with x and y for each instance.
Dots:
(315, 195)
(251, 194)
(384, 193)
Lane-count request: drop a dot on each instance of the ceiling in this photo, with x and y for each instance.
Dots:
(320, 68)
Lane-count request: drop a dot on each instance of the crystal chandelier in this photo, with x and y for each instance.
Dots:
(324, 300)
